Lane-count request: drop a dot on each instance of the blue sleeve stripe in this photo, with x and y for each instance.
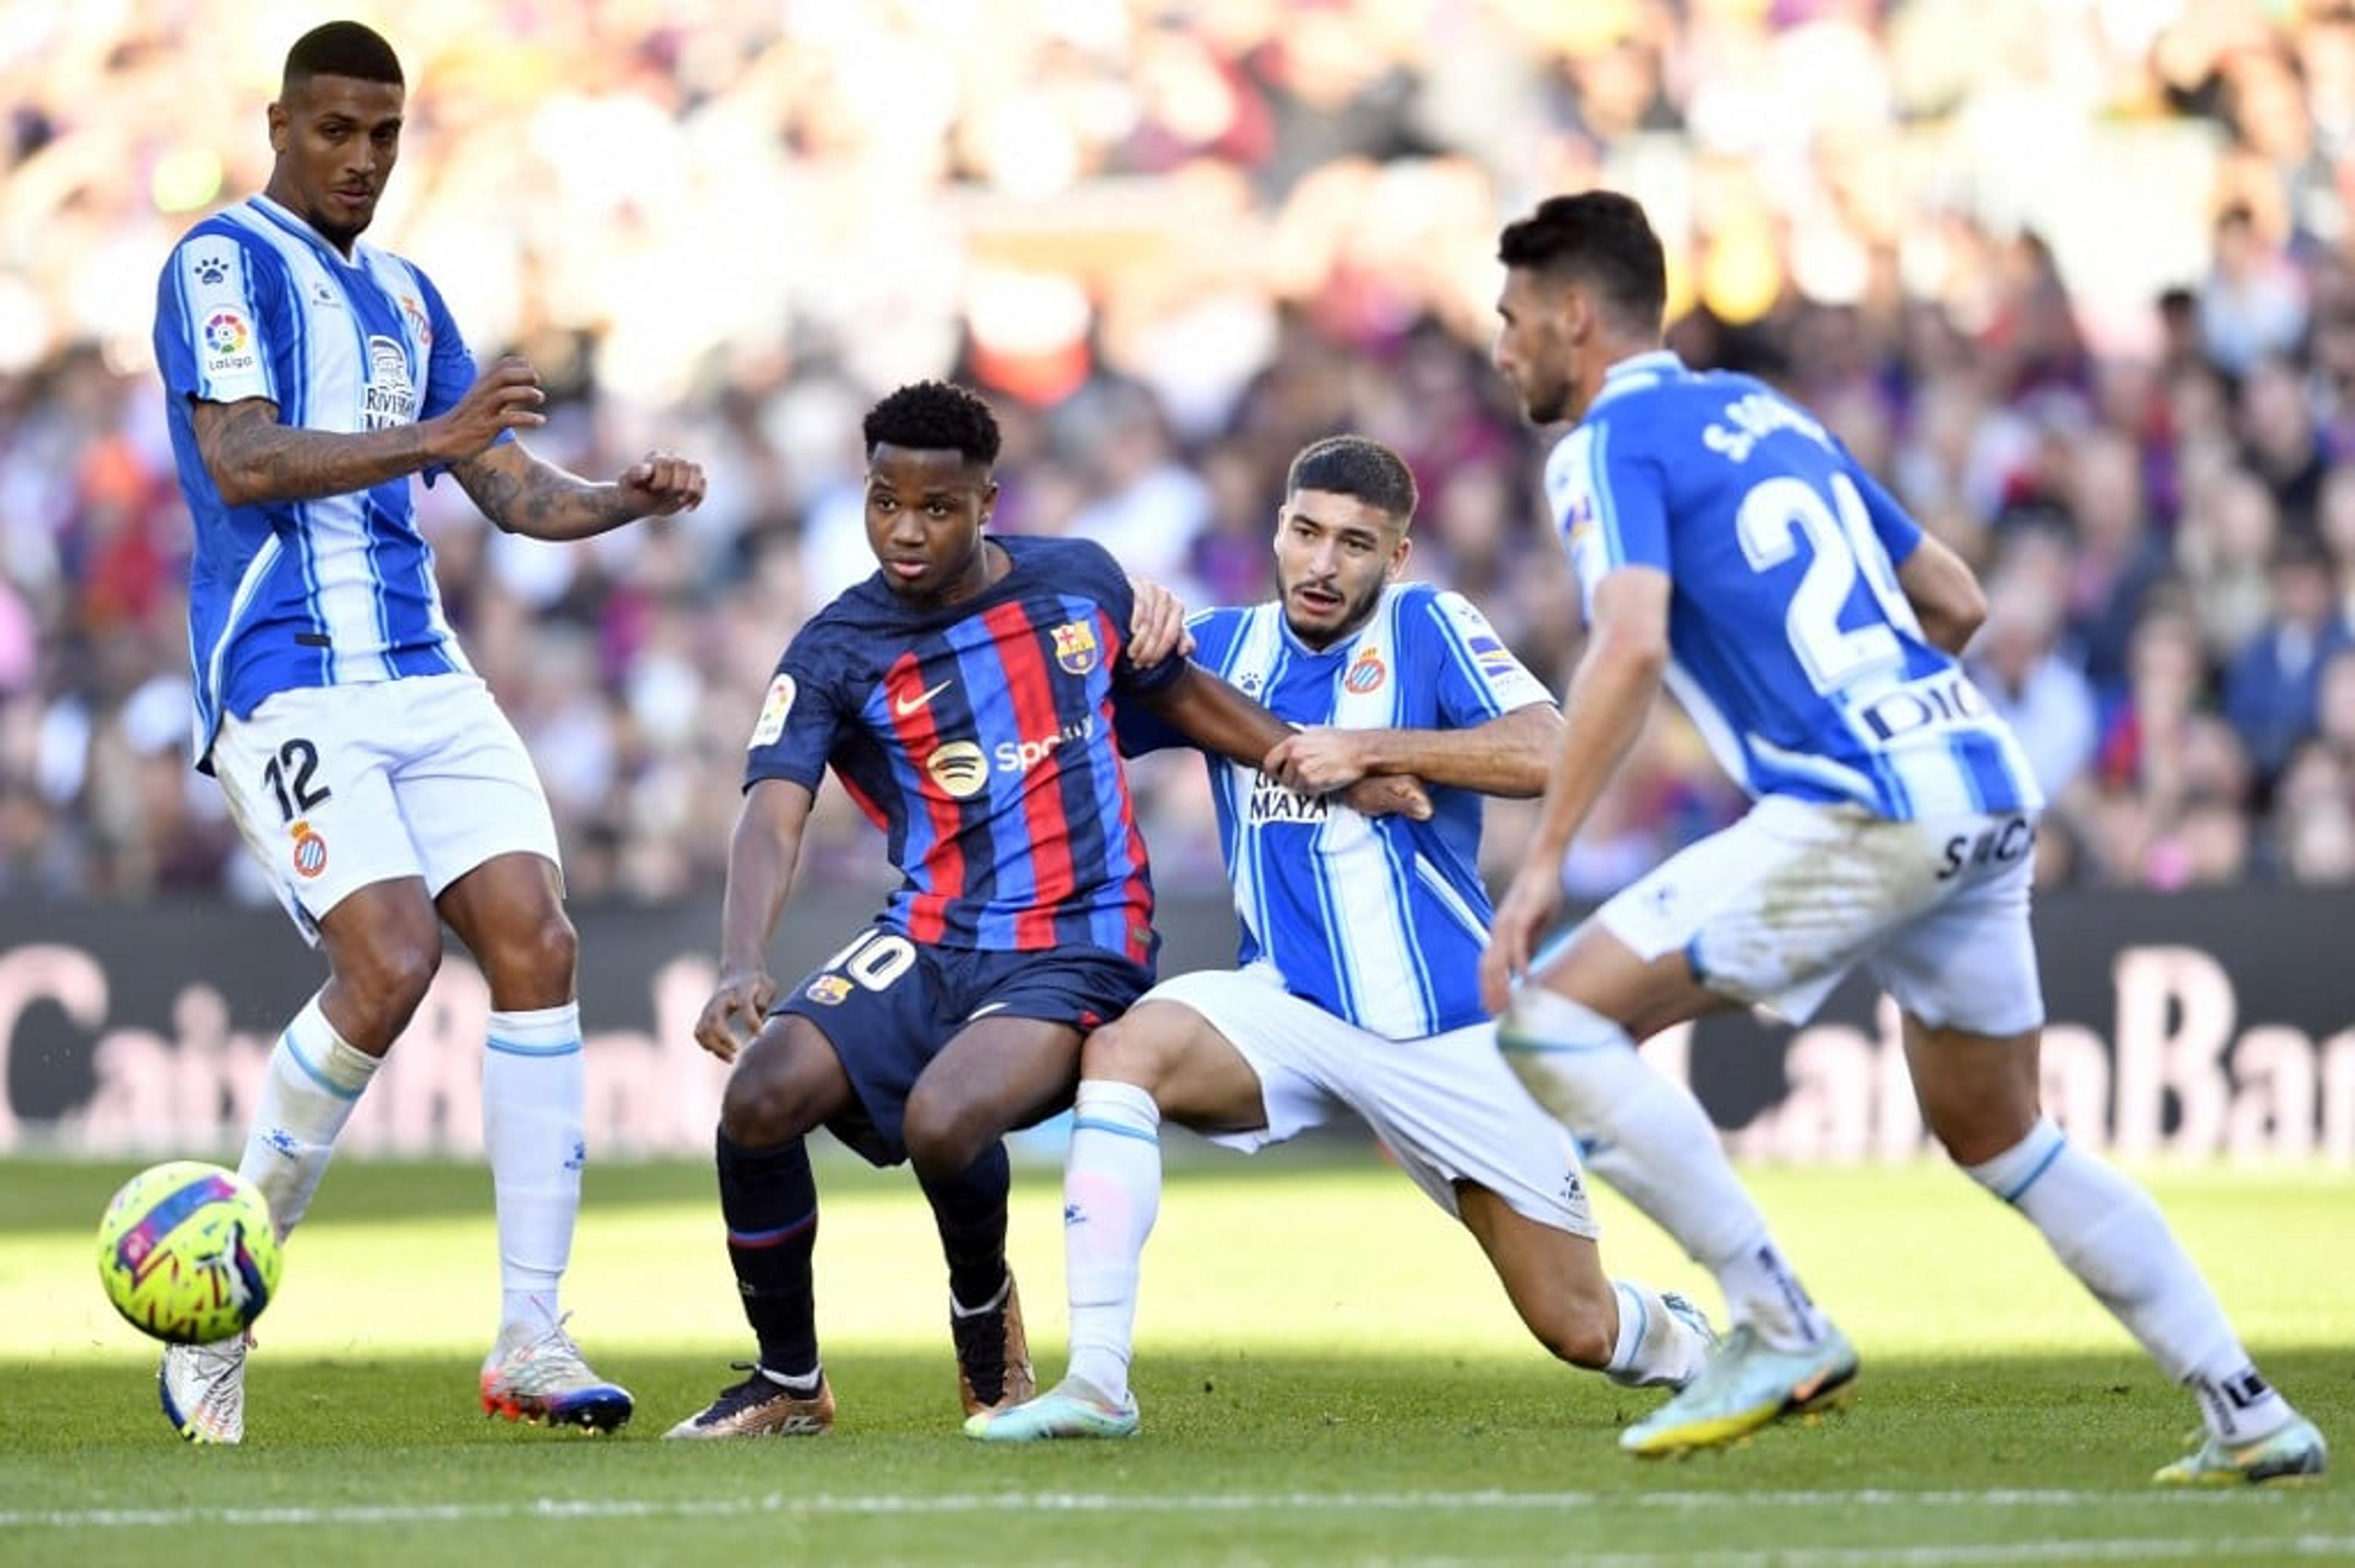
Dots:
(1606, 510)
(1467, 661)
(176, 286)
(270, 376)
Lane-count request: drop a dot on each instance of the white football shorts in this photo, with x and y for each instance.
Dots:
(1775, 909)
(335, 787)
(1446, 1106)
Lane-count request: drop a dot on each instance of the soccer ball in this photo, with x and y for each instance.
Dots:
(187, 1252)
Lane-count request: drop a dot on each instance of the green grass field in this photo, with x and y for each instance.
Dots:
(1327, 1374)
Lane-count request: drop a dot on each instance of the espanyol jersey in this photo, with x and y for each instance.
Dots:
(337, 591)
(979, 738)
(1380, 920)
(1790, 642)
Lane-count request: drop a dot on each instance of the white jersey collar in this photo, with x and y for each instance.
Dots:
(1644, 369)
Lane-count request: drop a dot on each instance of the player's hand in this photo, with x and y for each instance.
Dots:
(1529, 907)
(1156, 626)
(661, 483)
(1320, 761)
(1389, 794)
(504, 398)
(739, 1004)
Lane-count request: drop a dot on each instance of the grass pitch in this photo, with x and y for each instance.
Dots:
(1328, 1373)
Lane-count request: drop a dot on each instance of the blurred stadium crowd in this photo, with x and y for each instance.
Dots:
(2073, 275)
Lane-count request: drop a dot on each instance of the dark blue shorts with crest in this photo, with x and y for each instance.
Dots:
(888, 1004)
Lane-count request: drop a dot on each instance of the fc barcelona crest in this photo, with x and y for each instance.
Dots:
(1075, 647)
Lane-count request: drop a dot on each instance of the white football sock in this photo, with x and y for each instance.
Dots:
(1652, 1141)
(2111, 1236)
(1655, 1348)
(314, 1080)
(533, 1089)
(1112, 1195)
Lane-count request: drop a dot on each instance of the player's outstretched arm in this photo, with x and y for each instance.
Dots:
(1221, 720)
(1506, 756)
(1945, 593)
(1611, 694)
(1215, 716)
(525, 496)
(762, 855)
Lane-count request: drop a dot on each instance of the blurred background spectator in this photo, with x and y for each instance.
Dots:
(2074, 275)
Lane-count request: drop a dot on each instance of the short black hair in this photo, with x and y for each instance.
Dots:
(1603, 239)
(342, 49)
(1353, 465)
(934, 416)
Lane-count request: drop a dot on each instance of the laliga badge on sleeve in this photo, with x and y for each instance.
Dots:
(774, 708)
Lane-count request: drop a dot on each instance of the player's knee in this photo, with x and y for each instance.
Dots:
(543, 955)
(761, 1109)
(1974, 1129)
(387, 979)
(944, 1135)
(1128, 1050)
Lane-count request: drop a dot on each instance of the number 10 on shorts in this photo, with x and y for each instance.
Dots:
(874, 959)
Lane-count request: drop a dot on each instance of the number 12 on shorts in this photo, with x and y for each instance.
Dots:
(289, 780)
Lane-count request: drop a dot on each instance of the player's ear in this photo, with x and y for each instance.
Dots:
(989, 500)
(1397, 558)
(1580, 314)
(281, 127)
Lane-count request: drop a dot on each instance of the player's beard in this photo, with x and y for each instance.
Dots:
(1548, 404)
(1354, 612)
(342, 236)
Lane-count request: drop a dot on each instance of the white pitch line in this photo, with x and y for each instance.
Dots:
(1970, 1554)
(827, 1503)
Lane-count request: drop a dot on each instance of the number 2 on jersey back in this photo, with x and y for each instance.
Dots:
(1773, 516)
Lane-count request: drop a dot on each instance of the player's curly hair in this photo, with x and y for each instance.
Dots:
(1354, 465)
(934, 416)
(342, 49)
(1601, 238)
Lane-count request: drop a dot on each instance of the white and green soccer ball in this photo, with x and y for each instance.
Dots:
(187, 1252)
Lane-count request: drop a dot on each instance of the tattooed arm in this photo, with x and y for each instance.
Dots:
(254, 458)
(525, 496)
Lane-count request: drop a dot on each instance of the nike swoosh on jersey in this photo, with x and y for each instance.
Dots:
(903, 706)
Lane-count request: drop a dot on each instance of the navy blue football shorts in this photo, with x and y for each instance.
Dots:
(888, 1004)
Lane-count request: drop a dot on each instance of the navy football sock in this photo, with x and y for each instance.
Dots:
(970, 1209)
(769, 1202)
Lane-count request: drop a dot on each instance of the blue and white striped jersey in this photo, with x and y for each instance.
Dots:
(333, 591)
(1790, 642)
(1380, 921)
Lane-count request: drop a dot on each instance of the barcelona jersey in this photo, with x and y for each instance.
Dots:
(979, 737)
